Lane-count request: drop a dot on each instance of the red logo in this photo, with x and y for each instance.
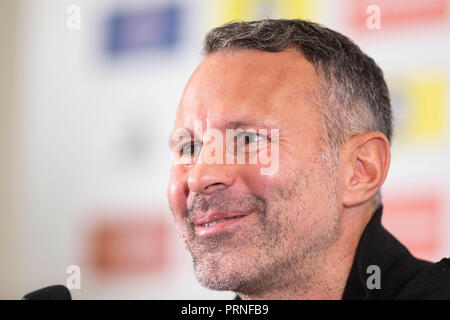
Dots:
(129, 245)
(416, 222)
(398, 13)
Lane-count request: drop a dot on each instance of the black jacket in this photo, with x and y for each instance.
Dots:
(402, 276)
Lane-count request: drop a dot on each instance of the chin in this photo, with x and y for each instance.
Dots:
(222, 282)
(222, 274)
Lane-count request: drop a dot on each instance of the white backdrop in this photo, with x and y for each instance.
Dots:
(92, 129)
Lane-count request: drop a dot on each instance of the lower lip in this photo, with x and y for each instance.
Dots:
(202, 230)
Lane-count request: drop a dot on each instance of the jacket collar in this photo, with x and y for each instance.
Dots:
(377, 247)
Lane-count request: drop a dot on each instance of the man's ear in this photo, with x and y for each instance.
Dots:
(365, 161)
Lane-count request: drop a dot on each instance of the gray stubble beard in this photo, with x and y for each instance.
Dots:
(281, 253)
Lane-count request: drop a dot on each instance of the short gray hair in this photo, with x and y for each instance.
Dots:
(354, 96)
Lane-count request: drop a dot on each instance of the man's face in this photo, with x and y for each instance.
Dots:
(274, 223)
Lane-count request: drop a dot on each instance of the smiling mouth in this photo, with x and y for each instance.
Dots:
(219, 225)
(209, 224)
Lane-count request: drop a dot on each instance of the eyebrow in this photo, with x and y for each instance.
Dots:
(238, 124)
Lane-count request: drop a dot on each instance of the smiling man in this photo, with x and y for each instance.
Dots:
(311, 228)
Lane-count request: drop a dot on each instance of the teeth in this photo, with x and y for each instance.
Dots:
(209, 224)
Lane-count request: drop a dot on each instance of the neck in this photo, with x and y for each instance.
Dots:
(327, 279)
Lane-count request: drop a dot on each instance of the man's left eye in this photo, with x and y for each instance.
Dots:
(249, 141)
(250, 137)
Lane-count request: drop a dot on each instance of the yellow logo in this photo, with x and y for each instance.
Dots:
(419, 104)
(246, 10)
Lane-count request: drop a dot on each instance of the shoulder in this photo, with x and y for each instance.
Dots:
(433, 282)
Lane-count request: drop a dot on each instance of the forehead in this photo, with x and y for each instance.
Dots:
(248, 85)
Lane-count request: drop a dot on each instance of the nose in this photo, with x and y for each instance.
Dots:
(208, 178)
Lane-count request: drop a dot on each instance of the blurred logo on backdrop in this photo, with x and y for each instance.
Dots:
(398, 13)
(417, 219)
(420, 102)
(143, 30)
(227, 10)
(129, 242)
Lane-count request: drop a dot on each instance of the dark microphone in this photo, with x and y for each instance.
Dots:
(57, 292)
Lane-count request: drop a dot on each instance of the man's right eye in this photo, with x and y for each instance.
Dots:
(190, 149)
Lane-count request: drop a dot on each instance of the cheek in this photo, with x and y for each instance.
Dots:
(282, 188)
(285, 165)
(176, 193)
(258, 183)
